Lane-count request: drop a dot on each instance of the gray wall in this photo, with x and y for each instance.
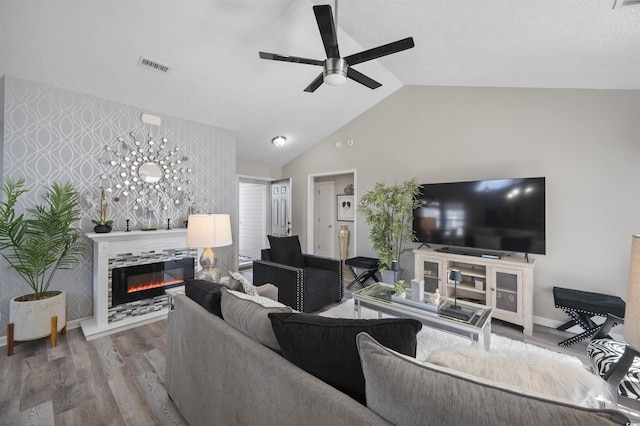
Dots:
(53, 134)
(584, 141)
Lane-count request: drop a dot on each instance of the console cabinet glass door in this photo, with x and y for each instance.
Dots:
(431, 272)
(507, 286)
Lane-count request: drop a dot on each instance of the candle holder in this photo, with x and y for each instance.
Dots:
(168, 223)
(127, 230)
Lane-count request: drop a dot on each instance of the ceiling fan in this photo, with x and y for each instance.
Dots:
(336, 70)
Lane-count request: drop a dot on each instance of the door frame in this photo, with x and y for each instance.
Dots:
(310, 206)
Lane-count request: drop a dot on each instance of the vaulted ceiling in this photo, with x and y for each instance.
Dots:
(217, 78)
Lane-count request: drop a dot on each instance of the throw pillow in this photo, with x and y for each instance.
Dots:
(248, 314)
(247, 287)
(286, 251)
(231, 284)
(326, 347)
(406, 392)
(205, 293)
(544, 373)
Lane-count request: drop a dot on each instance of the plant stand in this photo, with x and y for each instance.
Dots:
(36, 319)
(54, 335)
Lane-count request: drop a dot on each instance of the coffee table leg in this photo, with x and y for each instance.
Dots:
(487, 337)
(357, 310)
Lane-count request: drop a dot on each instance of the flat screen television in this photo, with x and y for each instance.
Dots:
(502, 215)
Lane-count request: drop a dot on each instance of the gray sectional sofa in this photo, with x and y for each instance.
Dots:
(217, 375)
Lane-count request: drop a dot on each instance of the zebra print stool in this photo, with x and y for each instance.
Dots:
(605, 354)
(580, 306)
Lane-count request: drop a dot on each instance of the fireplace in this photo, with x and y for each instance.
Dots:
(139, 282)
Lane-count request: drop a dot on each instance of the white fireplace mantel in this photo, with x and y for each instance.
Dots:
(108, 245)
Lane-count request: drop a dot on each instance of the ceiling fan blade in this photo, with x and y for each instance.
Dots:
(362, 79)
(285, 58)
(324, 17)
(314, 84)
(377, 52)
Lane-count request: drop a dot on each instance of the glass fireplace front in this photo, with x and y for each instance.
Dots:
(138, 282)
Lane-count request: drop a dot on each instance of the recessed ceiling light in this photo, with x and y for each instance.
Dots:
(279, 140)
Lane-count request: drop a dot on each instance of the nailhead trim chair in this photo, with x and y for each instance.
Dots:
(312, 284)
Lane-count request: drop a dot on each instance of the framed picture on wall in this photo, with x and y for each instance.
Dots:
(346, 207)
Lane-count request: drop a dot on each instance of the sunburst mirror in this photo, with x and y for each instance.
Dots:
(145, 171)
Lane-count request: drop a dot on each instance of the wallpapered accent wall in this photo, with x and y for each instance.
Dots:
(57, 135)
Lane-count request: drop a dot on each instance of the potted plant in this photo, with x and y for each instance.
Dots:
(36, 247)
(388, 210)
(400, 288)
(103, 225)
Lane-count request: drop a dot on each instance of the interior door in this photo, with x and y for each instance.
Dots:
(252, 218)
(323, 230)
(281, 207)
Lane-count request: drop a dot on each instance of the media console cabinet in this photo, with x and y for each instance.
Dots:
(506, 284)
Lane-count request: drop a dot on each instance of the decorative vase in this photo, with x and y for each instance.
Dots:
(348, 190)
(32, 318)
(149, 223)
(343, 238)
(102, 229)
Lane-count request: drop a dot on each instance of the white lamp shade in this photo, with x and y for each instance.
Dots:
(209, 230)
(632, 312)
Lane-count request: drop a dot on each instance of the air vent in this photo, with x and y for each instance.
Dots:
(153, 65)
(619, 3)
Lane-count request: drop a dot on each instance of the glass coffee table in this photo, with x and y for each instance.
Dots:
(474, 323)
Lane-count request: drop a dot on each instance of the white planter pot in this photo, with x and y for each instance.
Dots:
(32, 319)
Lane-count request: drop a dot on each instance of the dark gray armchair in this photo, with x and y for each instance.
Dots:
(312, 283)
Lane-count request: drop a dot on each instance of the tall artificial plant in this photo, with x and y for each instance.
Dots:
(388, 210)
(38, 245)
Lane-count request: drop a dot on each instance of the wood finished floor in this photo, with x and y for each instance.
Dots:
(119, 379)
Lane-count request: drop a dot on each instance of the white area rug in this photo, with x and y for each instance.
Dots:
(509, 361)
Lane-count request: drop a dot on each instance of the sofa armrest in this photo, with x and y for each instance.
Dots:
(319, 262)
(265, 254)
(268, 290)
(289, 280)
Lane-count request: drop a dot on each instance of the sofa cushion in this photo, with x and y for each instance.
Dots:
(405, 391)
(286, 251)
(248, 314)
(541, 372)
(205, 293)
(326, 347)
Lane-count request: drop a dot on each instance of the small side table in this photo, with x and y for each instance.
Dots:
(369, 267)
(173, 292)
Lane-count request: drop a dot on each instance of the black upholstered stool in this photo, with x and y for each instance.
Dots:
(369, 267)
(580, 306)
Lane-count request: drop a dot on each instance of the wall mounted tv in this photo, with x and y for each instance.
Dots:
(502, 215)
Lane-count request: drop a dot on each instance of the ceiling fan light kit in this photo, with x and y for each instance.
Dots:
(335, 69)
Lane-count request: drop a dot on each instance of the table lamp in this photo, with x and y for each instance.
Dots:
(456, 277)
(207, 231)
(395, 268)
(453, 310)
